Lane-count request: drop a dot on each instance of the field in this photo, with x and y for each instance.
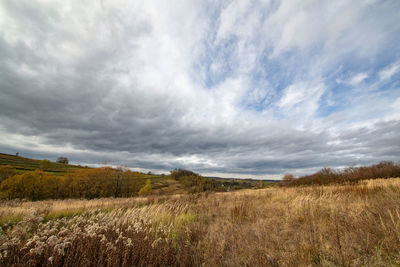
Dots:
(23, 164)
(331, 225)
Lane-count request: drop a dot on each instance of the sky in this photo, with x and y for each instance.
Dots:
(223, 88)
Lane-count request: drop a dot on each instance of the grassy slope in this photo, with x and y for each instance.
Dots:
(26, 164)
(160, 184)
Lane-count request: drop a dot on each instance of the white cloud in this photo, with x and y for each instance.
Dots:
(389, 71)
(301, 99)
(395, 112)
(358, 78)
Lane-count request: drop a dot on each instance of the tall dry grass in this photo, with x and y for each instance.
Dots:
(342, 225)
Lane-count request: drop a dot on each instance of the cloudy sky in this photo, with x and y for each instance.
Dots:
(228, 88)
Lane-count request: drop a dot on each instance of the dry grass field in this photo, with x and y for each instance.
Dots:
(335, 225)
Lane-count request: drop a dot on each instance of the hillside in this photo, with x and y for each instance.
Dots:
(22, 164)
(24, 178)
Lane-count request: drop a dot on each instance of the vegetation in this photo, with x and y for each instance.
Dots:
(385, 169)
(333, 225)
(62, 160)
(287, 179)
(22, 164)
(77, 182)
(116, 217)
(82, 183)
(6, 171)
(195, 183)
(146, 189)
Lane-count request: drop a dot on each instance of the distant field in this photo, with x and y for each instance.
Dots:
(26, 164)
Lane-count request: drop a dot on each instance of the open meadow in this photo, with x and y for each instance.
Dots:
(331, 225)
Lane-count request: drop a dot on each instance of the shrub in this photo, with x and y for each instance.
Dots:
(6, 171)
(146, 189)
(384, 169)
(287, 179)
(81, 183)
(31, 185)
(62, 160)
(178, 173)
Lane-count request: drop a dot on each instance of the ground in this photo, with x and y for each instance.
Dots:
(345, 225)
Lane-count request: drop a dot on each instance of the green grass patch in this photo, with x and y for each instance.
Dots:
(61, 214)
(8, 222)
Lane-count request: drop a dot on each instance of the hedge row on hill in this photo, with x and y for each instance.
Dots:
(385, 169)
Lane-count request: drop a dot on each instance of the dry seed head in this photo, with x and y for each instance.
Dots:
(52, 240)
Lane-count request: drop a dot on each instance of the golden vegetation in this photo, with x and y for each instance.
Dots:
(345, 225)
(22, 164)
(92, 183)
(79, 183)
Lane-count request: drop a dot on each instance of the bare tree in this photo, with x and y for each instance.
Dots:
(287, 179)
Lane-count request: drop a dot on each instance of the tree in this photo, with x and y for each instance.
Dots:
(62, 160)
(178, 173)
(287, 179)
(34, 185)
(146, 189)
(6, 171)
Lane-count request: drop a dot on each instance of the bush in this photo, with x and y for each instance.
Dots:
(6, 171)
(31, 185)
(384, 169)
(287, 179)
(62, 160)
(194, 182)
(146, 189)
(81, 183)
(179, 173)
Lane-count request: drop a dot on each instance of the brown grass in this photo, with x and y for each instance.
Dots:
(346, 225)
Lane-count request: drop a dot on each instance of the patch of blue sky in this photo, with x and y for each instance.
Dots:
(218, 62)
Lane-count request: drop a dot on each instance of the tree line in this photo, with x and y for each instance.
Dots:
(81, 183)
(194, 182)
(384, 169)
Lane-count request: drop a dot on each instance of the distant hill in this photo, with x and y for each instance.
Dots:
(22, 164)
(42, 179)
